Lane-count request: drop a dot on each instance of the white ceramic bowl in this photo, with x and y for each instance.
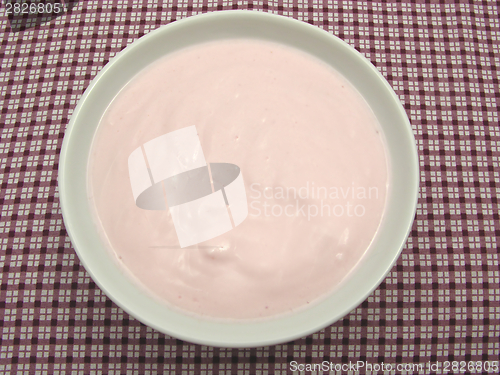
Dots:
(117, 73)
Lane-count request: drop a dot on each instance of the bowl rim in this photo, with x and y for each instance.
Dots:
(392, 235)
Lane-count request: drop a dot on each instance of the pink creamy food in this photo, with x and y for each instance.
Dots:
(312, 160)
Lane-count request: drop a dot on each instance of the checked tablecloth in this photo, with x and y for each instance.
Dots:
(441, 302)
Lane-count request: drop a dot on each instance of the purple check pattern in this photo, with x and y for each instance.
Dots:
(441, 302)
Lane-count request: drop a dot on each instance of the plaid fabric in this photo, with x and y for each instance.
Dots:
(441, 302)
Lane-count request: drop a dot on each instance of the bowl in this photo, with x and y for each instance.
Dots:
(368, 274)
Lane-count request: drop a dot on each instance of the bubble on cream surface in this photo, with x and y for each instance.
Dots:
(313, 169)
